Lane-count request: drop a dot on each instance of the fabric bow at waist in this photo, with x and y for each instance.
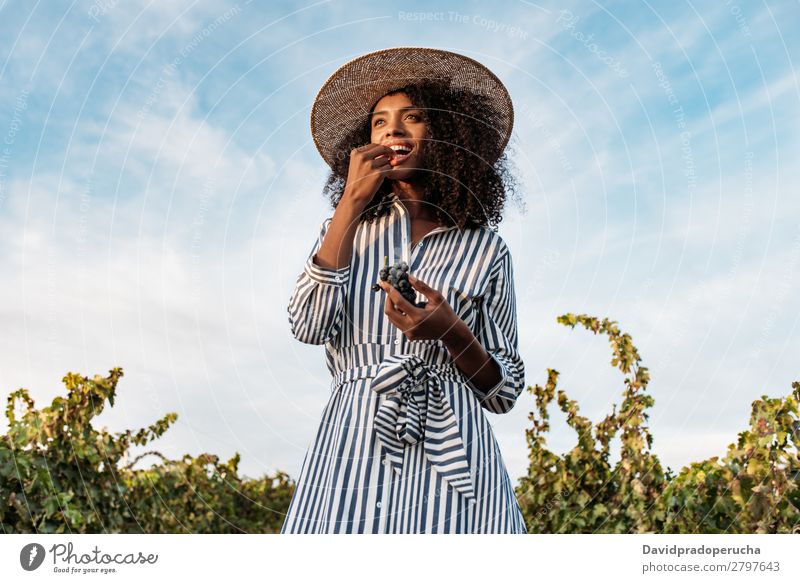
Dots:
(415, 409)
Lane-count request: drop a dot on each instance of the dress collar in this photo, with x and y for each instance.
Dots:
(395, 200)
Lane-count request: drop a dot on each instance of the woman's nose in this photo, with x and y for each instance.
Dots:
(394, 128)
(394, 131)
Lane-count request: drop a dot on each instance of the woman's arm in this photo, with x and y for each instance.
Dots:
(337, 247)
(489, 358)
(365, 174)
(317, 304)
(479, 357)
(471, 358)
(316, 307)
(497, 332)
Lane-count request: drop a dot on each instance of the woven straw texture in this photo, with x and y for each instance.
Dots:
(348, 95)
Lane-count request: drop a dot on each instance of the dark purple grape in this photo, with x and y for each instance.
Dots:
(397, 276)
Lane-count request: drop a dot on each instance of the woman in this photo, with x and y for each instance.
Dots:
(415, 141)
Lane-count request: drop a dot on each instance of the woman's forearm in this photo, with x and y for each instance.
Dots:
(471, 357)
(337, 247)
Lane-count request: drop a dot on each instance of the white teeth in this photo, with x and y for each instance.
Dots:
(398, 148)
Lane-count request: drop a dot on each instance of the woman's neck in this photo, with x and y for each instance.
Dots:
(412, 197)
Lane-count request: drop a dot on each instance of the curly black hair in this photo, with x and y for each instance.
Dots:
(462, 186)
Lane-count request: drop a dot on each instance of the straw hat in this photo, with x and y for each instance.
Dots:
(348, 95)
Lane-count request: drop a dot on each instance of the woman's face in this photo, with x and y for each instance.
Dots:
(395, 122)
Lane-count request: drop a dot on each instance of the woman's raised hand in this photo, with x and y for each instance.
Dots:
(368, 166)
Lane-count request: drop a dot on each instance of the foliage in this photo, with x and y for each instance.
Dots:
(753, 489)
(59, 474)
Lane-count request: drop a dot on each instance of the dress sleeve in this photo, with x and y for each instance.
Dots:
(497, 332)
(316, 307)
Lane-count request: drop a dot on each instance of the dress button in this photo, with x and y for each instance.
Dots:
(378, 504)
(383, 461)
(420, 244)
(338, 278)
(397, 341)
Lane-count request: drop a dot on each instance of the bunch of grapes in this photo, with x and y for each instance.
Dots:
(397, 275)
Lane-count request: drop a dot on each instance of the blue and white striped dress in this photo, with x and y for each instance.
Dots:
(403, 444)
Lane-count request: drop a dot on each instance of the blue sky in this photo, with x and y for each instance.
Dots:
(159, 192)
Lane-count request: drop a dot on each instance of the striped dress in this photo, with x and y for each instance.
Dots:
(403, 444)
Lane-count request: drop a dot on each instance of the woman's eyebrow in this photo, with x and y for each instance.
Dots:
(374, 113)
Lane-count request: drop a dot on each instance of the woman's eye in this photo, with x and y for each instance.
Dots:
(412, 115)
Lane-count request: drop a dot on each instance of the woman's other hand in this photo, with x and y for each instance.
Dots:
(435, 321)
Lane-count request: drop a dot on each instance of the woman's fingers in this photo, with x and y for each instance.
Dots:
(395, 316)
(376, 150)
(381, 154)
(395, 302)
(377, 156)
(418, 283)
(367, 147)
(380, 163)
(394, 313)
(423, 287)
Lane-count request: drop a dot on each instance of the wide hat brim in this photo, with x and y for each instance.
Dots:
(346, 98)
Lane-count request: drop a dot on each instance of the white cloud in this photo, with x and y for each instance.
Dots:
(170, 247)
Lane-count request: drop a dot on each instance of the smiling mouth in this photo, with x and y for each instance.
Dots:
(401, 154)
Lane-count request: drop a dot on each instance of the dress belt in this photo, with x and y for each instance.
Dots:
(415, 410)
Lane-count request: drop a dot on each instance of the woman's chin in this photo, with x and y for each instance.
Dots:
(405, 174)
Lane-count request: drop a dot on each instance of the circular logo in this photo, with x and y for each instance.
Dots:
(31, 556)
